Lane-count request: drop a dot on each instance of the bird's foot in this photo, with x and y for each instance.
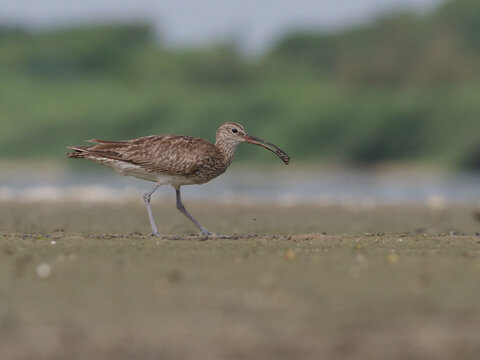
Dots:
(219, 236)
(205, 232)
(209, 234)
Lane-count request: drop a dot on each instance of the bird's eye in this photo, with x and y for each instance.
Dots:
(234, 131)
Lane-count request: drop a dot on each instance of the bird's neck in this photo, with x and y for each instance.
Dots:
(227, 149)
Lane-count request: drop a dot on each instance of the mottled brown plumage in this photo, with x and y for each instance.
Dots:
(172, 159)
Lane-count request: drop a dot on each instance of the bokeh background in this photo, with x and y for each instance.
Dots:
(367, 246)
(358, 84)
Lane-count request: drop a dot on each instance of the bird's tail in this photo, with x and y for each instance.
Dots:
(79, 152)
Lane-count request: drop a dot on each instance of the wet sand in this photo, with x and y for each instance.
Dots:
(295, 282)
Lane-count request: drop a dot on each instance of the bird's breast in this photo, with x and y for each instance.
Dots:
(207, 171)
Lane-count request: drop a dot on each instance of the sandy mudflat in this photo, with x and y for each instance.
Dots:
(296, 282)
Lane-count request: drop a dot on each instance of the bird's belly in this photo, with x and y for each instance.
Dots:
(129, 169)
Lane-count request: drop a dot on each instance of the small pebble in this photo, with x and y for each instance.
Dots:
(392, 258)
(290, 255)
(43, 270)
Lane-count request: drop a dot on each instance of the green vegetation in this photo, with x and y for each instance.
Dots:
(71, 295)
(405, 88)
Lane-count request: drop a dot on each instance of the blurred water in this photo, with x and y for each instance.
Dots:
(251, 185)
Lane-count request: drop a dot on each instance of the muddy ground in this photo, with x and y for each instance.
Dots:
(85, 281)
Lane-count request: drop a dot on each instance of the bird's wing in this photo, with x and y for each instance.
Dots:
(179, 155)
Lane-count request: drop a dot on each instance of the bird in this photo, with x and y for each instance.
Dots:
(174, 160)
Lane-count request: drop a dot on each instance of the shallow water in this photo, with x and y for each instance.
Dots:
(243, 184)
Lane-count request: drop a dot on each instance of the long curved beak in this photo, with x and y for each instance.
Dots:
(269, 146)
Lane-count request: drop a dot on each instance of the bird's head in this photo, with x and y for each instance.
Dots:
(232, 134)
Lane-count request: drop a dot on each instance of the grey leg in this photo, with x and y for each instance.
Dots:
(146, 198)
(184, 211)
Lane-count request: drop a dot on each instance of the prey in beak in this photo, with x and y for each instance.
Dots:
(269, 146)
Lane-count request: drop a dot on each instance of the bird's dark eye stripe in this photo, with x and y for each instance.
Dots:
(234, 131)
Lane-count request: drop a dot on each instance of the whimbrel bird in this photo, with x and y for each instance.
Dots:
(173, 160)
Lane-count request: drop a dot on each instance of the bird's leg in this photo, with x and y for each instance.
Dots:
(146, 198)
(184, 211)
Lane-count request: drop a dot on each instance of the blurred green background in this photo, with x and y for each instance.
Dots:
(404, 88)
